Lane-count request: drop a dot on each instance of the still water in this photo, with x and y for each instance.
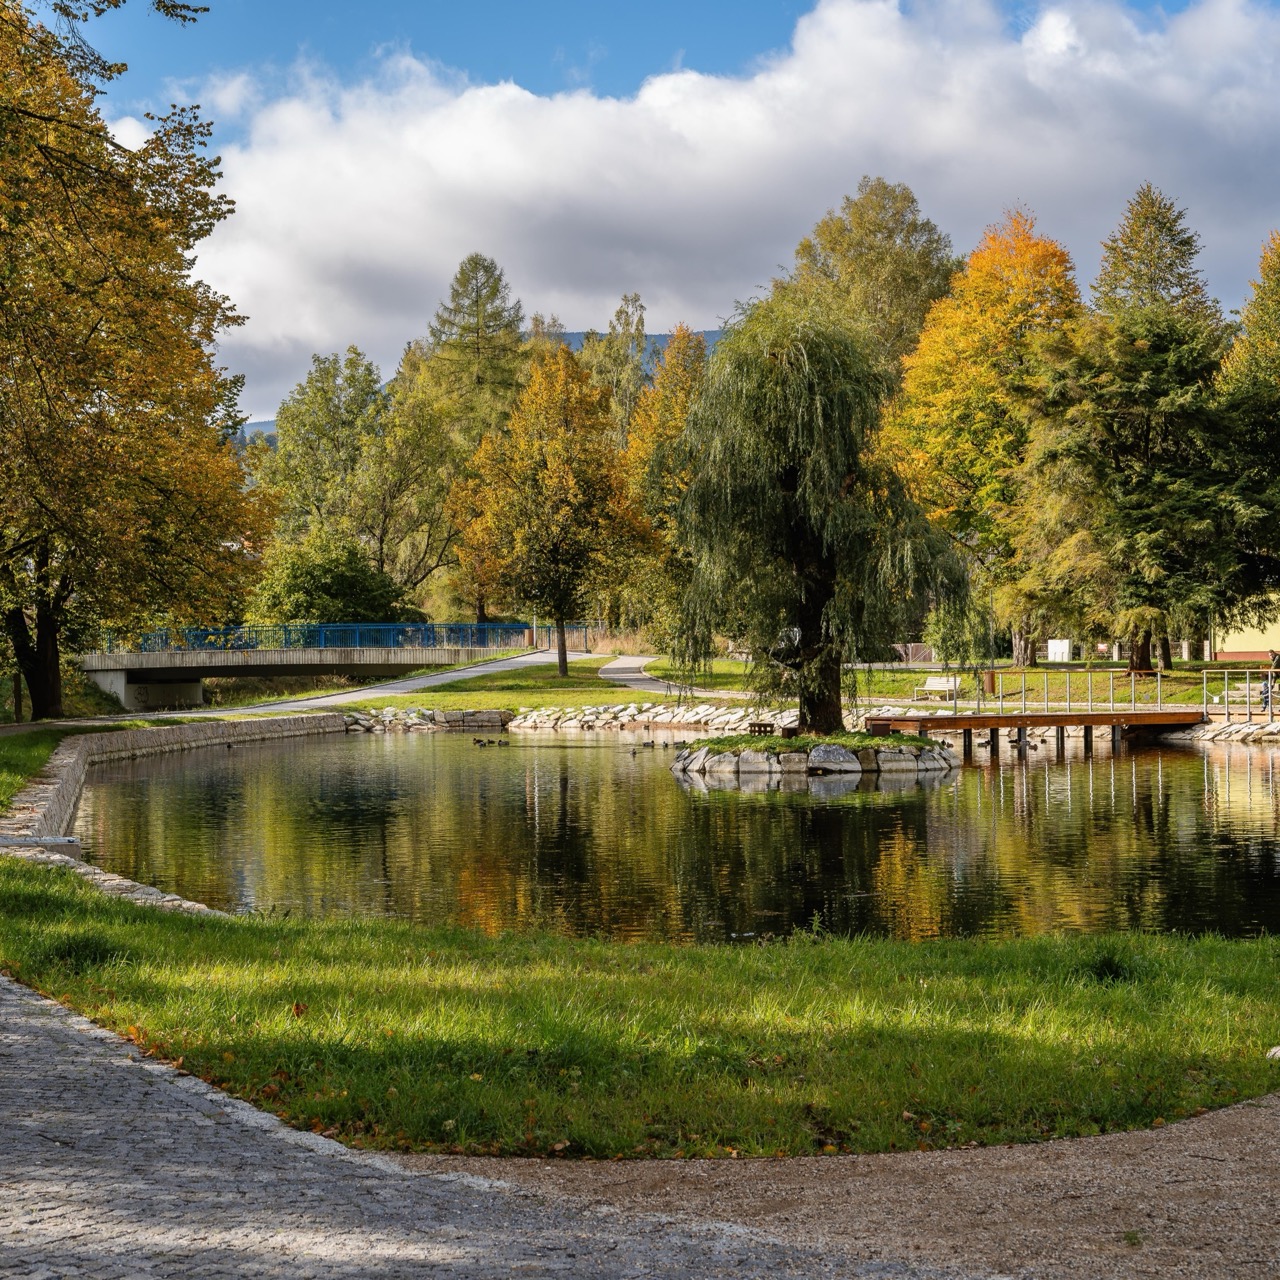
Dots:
(584, 837)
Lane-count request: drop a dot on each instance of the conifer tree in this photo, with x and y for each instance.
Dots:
(475, 341)
(1150, 259)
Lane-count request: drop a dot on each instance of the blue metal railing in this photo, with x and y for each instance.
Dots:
(306, 635)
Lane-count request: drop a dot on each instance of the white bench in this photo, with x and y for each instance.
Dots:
(942, 686)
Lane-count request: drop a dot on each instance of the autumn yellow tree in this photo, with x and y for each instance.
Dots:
(123, 498)
(956, 431)
(544, 506)
(656, 572)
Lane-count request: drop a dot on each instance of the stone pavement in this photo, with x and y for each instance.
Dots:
(114, 1167)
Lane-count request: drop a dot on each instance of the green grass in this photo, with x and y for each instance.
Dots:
(536, 686)
(387, 1035)
(22, 756)
(726, 674)
(806, 742)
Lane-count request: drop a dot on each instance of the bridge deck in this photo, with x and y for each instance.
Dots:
(1127, 718)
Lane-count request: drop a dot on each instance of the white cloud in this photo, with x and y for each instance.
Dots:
(356, 202)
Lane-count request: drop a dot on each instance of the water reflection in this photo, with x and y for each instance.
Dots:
(585, 838)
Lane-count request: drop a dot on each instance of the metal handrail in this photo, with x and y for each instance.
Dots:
(1257, 691)
(348, 635)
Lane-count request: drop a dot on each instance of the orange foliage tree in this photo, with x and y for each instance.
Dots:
(956, 432)
(544, 509)
(124, 499)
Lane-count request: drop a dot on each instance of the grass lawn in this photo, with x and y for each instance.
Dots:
(536, 686)
(388, 1035)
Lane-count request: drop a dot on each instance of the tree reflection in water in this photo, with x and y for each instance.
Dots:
(582, 837)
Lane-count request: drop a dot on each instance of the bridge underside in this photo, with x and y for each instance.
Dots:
(145, 681)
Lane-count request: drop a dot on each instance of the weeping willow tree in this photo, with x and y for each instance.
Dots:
(805, 548)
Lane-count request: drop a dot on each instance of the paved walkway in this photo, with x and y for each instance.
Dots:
(115, 1167)
(629, 670)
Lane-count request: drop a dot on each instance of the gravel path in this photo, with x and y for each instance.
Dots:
(1196, 1199)
(115, 1167)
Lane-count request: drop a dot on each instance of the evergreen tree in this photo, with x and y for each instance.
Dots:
(1169, 493)
(804, 546)
(1150, 260)
(475, 341)
(880, 264)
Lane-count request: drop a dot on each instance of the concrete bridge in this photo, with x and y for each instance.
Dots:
(167, 668)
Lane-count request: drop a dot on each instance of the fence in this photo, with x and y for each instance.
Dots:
(350, 635)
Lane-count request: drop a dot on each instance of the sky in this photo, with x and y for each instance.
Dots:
(680, 150)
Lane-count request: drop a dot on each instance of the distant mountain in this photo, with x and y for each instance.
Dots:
(656, 341)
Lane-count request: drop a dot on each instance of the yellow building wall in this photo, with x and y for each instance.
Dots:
(1247, 644)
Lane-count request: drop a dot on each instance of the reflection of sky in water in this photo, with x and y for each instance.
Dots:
(581, 836)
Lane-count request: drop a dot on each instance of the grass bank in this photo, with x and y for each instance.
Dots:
(535, 686)
(391, 1036)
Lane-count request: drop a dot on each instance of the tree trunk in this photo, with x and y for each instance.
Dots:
(821, 707)
(1140, 653)
(17, 696)
(1024, 648)
(562, 650)
(1166, 654)
(39, 659)
(482, 614)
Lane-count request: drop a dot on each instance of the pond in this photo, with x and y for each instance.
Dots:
(591, 836)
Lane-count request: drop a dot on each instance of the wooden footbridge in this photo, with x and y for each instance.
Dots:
(1016, 723)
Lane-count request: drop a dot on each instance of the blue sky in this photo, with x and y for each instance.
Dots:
(607, 46)
(680, 150)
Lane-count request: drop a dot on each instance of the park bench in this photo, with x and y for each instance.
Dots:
(941, 686)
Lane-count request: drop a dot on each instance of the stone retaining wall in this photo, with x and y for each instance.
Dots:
(416, 720)
(704, 717)
(821, 761)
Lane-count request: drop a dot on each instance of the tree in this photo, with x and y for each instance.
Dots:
(124, 500)
(1252, 366)
(656, 479)
(804, 546)
(1154, 475)
(618, 362)
(957, 430)
(325, 577)
(1172, 491)
(881, 264)
(320, 430)
(544, 499)
(1151, 259)
(365, 462)
(475, 342)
